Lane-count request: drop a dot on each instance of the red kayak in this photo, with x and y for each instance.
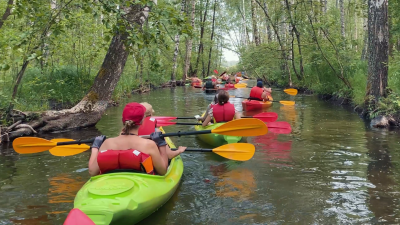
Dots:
(77, 217)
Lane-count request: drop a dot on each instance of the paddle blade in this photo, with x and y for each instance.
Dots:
(280, 127)
(28, 145)
(158, 118)
(242, 127)
(237, 151)
(67, 150)
(164, 123)
(216, 71)
(287, 102)
(241, 85)
(291, 91)
(267, 116)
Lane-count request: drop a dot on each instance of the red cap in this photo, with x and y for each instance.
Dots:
(134, 112)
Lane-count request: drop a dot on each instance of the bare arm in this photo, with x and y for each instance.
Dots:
(207, 120)
(173, 154)
(164, 154)
(93, 166)
(205, 114)
(237, 116)
(158, 162)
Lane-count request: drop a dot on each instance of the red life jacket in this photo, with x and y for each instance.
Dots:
(256, 92)
(148, 126)
(124, 159)
(214, 80)
(223, 113)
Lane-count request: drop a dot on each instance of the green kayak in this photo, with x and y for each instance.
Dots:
(127, 198)
(216, 139)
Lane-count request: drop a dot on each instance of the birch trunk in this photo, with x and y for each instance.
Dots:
(189, 42)
(202, 21)
(254, 21)
(176, 51)
(212, 37)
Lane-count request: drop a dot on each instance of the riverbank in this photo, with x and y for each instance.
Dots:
(30, 123)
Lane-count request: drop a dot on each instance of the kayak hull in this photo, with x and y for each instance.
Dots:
(127, 198)
(216, 140)
(250, 105)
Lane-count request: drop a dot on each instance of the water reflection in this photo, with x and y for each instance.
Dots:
(238, 184)
(383, 196)
(275, 152)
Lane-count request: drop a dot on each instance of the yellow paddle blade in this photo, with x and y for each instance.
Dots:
(237, 151)
(242, 127)
(287, 102)
(67, 150)
(28, 145)
(291, 91)
(241, 85)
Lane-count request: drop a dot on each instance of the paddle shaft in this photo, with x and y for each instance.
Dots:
(76, 142)
(195, 149)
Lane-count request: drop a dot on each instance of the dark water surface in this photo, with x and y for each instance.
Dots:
(332, 169)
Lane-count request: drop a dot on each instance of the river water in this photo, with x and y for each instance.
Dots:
(332, 169)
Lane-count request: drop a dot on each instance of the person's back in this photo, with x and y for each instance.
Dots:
(209, 84)
(128, 150)
(224, 111)
(256, 93)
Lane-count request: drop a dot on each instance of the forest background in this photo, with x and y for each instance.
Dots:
(52, 50)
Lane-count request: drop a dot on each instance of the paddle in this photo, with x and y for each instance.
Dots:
(236, 151)
(241, 127)
(266, 117)
(241, 85)
(282, 102)
(289, 91)
(26, 145)
(280, 127)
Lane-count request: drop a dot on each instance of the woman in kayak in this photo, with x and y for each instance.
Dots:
(224, 111)
(129, 151)
(260, 92)
(214, 102)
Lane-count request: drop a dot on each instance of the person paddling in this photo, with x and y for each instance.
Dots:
(224, 111)
(260, 93)
(128, 151)
(209, 84)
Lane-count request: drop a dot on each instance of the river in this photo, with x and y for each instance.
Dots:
(332, 169)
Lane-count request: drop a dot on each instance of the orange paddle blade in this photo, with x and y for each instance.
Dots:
(28, 145)
(287, 102)
(241, 85)
(237, 151)
(291, 91)
(242, 127)
(67, 150)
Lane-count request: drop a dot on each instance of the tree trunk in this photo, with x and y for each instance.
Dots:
(342, 27)
(378, 50)
(202, 22)
(89, 110)
(7, 13)
(295, 31)
(254, 20)
(176, 51)
(365, 46)
(212, 37)
(269, 31)
(189, 42)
